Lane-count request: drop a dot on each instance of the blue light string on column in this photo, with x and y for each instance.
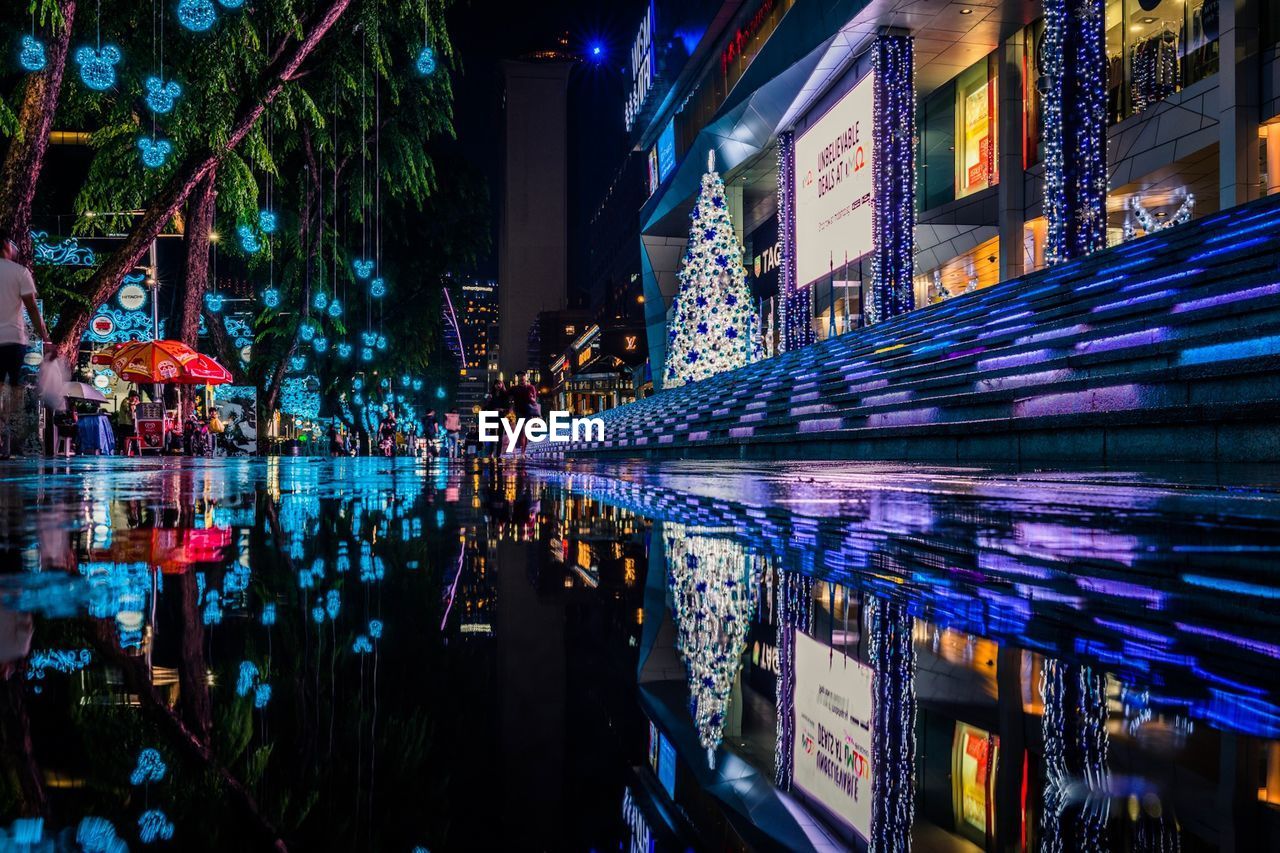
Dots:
(795, 613)
(893, 178)
(1075, 121)
(796, 303)
(892, 656)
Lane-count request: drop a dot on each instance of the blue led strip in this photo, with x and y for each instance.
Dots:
(1075, 121)
(893, 178)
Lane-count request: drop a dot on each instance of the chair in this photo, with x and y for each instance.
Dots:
(66, 446)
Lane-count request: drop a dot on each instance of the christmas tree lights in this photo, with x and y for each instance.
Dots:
(714, 587)
(713, 326)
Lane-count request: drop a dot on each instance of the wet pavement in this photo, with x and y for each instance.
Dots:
(374, 655)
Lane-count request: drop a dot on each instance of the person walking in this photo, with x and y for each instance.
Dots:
(498, 401)
(524, 402)
(17, 291)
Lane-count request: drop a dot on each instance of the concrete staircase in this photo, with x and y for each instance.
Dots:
(1166, 348)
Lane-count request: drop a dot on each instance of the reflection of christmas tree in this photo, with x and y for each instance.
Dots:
(714, 326)
(713, 582)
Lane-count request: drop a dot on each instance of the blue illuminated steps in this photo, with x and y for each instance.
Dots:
(1166, 348)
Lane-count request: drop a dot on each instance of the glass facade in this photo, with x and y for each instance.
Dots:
(1156, 48)
(976, 128)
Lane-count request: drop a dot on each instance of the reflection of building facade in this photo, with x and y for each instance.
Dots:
(1184, 137)
(1010, 729)
(477, 320)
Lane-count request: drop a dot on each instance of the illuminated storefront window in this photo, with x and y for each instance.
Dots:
(976, 151)
(1155, 48)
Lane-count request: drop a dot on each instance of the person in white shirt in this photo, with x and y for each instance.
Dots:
(17, 291)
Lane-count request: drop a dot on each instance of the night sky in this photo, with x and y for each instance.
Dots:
(484, 33)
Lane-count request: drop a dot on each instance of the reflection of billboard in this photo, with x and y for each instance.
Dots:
(833, 185)
(662, 758)
(832, 757)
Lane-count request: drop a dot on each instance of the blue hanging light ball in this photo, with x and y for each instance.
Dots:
(231, 4)
(154, 151)
(363, 267)
(384, 383)
(335, 308)
(31, 57)
(417, 384)
(377, 288)
(297, 362)
(196, 15)
(366, 354)
(249, 240)
(368, 338)
(382, 342)
(320, 344)
(320, 300)
(266, 222)
(271, 297)
(306, 331)
(344, 350)
(161, 95)
(357, 383)
(98, 67)
(426, 63)
(213, 301)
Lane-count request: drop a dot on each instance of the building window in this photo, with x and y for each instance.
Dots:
(1155, 48)
(937, 154)
(976, 128)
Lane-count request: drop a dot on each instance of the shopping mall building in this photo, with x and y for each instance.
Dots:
(783, 93)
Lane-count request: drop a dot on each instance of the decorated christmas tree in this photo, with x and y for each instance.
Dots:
(714, 326)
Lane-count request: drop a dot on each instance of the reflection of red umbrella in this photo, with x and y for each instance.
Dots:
(167, 362)
(173, 550)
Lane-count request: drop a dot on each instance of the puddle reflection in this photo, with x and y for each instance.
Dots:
(362, 655)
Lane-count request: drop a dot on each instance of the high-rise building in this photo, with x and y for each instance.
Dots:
(533, 226)
(478, 323)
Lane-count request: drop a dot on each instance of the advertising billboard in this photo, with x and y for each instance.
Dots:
(832, 758)
(666, 149)
(833, 185)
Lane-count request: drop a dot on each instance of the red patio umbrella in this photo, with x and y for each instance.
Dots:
(167, 362)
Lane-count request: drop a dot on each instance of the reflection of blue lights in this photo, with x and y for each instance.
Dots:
(261, 695)
(59, 660)
(247, 677)
(149, 768)
(97, 835)
(362, 645)
(375, 628)
(154, 826)
(269, 614)
(212, 614)
(332, 603)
